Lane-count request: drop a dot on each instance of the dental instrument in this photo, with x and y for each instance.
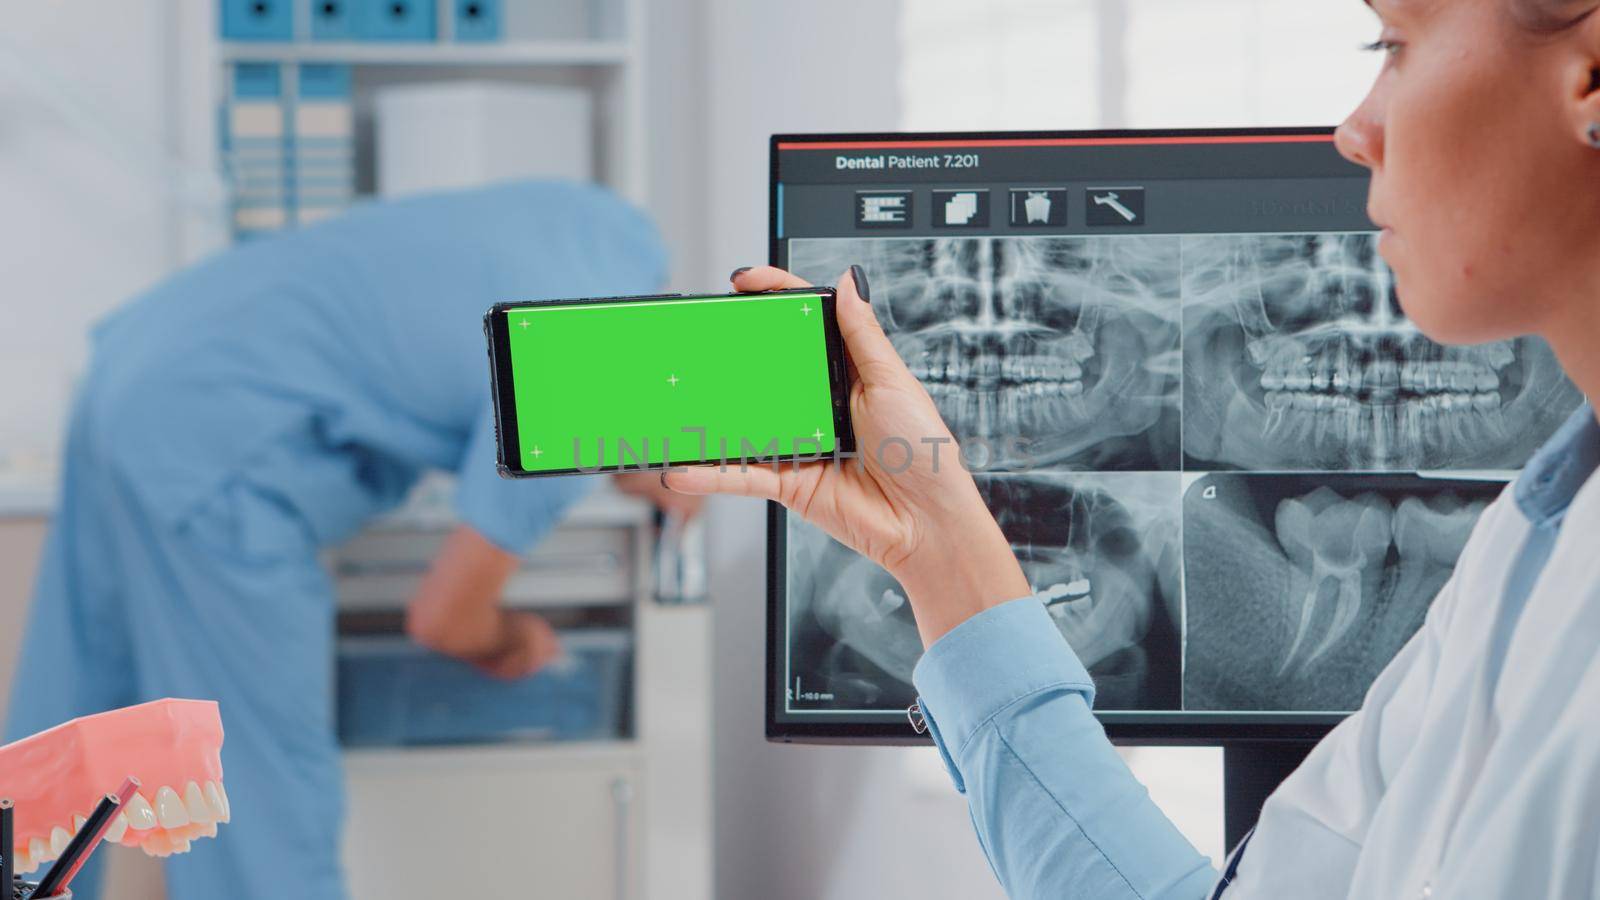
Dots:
(7, 847)
(109, 806)
(83, 843)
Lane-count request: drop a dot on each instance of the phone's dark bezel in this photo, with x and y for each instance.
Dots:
(1202, 733)
(509, 451)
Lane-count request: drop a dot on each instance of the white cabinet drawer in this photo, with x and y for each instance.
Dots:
(380, 569)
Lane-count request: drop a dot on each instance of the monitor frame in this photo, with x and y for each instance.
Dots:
(1306, 727)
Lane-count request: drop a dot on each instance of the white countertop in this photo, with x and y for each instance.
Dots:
(27, 498)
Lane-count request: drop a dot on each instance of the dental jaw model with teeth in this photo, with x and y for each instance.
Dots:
(172, 746)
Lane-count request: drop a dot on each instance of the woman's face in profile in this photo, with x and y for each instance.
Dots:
(1482, 177)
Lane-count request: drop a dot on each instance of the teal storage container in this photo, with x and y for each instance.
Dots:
(333, 20)
(477, 20)
(397, 20)
(257, 20)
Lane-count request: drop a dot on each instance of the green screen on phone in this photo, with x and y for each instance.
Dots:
(661, 381)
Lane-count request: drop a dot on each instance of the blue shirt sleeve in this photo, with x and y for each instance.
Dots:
(512, 514)
(1056, 810)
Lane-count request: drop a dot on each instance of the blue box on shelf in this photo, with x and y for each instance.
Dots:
(477, 20)
(397, 20)
(324, 80)
(333, 20)
(257, 20)
(393, 693)
(257, 80)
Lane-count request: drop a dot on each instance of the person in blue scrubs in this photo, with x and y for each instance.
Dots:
(1473, 767)
(249, 412)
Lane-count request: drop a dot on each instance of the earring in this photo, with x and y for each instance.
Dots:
(1594, 135)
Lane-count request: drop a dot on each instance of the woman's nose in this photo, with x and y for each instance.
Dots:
(1360, 138)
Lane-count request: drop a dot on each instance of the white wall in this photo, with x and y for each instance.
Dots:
(679, 132)
(803, 822)
(86, 151)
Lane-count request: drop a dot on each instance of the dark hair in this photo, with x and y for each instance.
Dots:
(1551, 16)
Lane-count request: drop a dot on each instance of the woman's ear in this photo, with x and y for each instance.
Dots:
(1584, 81)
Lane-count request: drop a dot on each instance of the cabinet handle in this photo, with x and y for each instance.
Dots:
(622, 803)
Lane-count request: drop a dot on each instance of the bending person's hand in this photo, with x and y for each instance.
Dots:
(456, 610)
(525, 644)
(905, 501)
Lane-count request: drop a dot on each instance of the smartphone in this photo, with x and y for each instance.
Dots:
(624, 383)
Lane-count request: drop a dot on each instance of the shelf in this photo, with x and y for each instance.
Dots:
(498, 53)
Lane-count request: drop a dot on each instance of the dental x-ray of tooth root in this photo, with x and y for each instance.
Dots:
(1296, 355)
(1040, 352)
(1298, 590)
(1104, 550)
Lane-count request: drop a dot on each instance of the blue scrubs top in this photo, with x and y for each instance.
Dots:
(333, 365)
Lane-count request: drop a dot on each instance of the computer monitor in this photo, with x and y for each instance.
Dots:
(1179, 372)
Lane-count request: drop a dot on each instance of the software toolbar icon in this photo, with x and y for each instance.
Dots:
(1115, 207)
(961, 209)
(1038, 207)
(883, 209)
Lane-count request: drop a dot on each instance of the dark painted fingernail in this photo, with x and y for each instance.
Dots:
(739, 271)
(859, 276)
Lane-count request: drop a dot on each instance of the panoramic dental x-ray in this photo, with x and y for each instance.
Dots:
(1200, 447)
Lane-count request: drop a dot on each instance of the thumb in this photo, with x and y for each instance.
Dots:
(752, 480)
(871, 354)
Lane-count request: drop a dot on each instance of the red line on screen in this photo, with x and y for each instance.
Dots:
(1060, 142)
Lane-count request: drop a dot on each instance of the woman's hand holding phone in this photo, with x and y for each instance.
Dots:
(905, 501)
